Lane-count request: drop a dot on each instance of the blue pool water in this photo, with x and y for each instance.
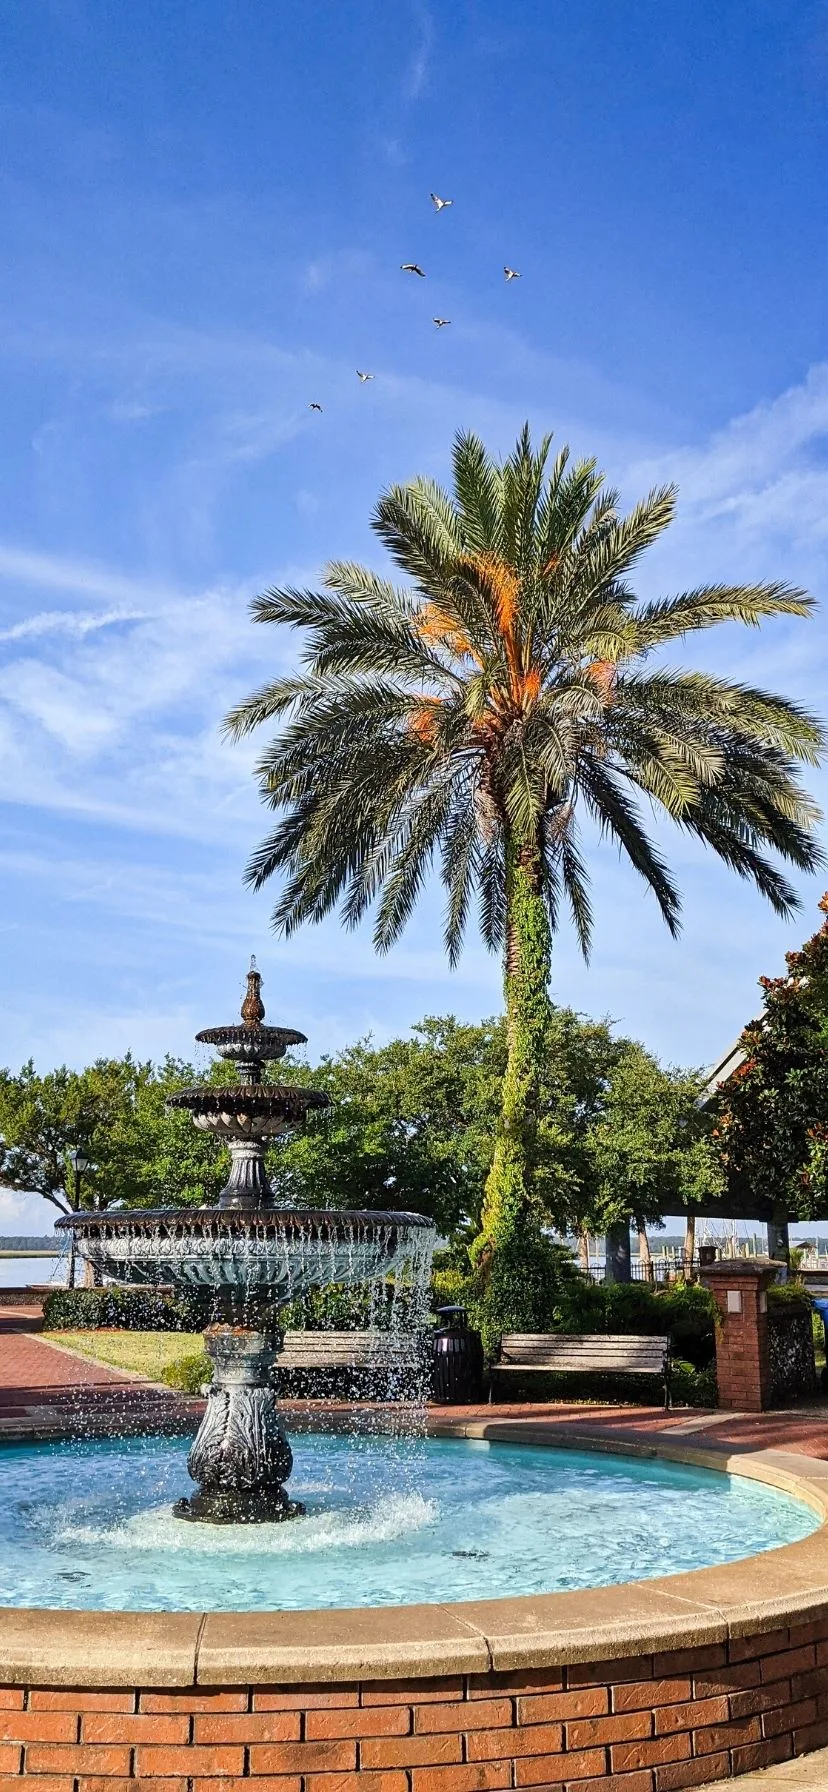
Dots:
(389, 1522)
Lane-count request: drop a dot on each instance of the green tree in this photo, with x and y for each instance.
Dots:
(182, 1166)
(477, 713)
(650, 1147)
(114, 1113)
(771, 1116)
(44, 1118)
(409, 1124)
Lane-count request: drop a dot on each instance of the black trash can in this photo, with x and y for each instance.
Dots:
(457, 1360)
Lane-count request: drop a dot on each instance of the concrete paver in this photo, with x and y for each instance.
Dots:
(808, 1774)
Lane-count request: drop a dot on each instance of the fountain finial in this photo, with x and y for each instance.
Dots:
(253, 1009)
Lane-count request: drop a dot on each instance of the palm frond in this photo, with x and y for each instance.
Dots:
(501, 688)
(478, 490)
(669, 618)
(618, 817)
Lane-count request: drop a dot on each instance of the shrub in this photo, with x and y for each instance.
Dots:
(189, 1373)
(340, 1308)
(685, 1313)
(789, 1294)
(693, 1387)
(451, 1287)
(124, 1309)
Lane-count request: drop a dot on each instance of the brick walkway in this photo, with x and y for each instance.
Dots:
(803, 1429)
(40, 1384)
(37, 1379)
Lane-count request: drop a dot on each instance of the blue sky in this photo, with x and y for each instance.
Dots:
(203, 213)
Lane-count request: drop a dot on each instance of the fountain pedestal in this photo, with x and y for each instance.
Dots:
(241, 1456)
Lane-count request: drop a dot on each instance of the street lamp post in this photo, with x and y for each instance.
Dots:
(80, 1163)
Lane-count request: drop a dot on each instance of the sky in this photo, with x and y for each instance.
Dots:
(203, 212)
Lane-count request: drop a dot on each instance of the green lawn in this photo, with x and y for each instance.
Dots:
(155, 1355)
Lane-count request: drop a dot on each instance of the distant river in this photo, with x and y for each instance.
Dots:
(19, 1272)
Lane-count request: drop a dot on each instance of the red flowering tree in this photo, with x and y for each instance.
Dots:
(772, 1121)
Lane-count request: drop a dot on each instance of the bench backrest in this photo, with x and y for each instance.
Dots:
(584, 1352)
(348, 1350)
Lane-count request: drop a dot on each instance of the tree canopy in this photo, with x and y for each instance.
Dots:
(772, 1114)
(507, 690)
(412, 1125)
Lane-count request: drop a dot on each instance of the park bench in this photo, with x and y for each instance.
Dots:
(588, 1354)
(389, 1361)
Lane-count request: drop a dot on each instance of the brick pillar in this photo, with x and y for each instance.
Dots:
(739, 1288)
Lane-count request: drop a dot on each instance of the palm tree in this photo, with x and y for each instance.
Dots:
(474, 715)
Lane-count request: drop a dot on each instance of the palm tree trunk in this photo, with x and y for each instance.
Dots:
(510, 1239)
(583, 1251)
(645, 1255)
(689, 1245)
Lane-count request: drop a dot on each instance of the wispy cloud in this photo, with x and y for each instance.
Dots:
(416, 74)
(67, 622)
(53, 572)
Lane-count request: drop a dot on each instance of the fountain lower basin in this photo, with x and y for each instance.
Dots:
(390, 1521)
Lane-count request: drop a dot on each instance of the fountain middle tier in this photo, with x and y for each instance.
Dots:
(244, 1116)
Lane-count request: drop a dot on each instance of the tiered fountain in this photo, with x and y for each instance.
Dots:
(257, 1256)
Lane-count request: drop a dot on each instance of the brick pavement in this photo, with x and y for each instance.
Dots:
(40, 1385)
(34, 1374)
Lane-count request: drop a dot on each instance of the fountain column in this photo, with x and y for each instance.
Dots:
(241, 1456)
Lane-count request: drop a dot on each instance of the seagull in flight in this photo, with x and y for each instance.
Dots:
(313, 406)
(440, 204)
(411, 267)
(441, 322)
(511, 273)
(365, 376)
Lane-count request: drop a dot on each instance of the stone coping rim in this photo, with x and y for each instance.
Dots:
(602, 1624)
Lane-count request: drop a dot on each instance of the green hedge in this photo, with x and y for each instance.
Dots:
(684, 1312)
(124, 1309)
(694, 1387)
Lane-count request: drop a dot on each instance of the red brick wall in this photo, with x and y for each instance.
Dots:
(648, 1724)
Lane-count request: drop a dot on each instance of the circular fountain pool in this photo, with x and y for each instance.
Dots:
(389, 1522)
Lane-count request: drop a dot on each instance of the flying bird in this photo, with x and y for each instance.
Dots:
(441, 322)
(313, 406)
(440, 204)
(511, 273)
(365, 376)
(410, 267)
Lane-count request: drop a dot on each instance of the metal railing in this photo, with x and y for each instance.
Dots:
(659, 1272)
